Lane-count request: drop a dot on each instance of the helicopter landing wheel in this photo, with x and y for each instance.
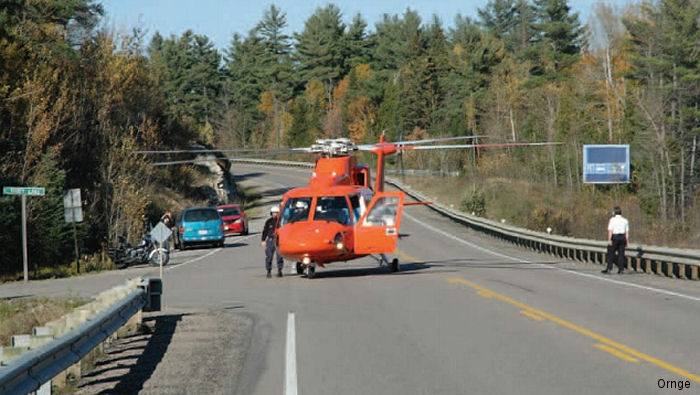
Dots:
(310, 271)
(300, 268)
(395, 265)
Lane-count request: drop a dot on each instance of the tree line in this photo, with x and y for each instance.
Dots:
(77, 99)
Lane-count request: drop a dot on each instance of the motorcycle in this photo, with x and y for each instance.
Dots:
(146, 252)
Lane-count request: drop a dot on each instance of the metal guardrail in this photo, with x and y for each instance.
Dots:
(37, 366)
(671, 262)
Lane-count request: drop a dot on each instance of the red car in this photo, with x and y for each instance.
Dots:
(235, 220)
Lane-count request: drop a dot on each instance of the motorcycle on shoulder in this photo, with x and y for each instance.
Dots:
(145, 252)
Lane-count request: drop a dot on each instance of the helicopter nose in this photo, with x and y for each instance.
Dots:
(301, 239)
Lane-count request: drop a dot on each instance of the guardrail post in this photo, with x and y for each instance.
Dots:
(693, 272)
(681, 271)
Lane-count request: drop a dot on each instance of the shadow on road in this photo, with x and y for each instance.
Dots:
(248, 176)
(405, 269)
(479, 263)
(148, 356)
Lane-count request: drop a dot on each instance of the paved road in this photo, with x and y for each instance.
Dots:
(466, 314)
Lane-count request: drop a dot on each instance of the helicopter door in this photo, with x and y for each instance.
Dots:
(378, 229)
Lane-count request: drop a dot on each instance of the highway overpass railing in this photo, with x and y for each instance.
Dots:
(33, 361)
(671, 262)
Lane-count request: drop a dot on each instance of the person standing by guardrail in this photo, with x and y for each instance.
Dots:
(268, 241)
(618, 239)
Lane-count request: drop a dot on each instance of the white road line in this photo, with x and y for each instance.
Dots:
(193, 260)
(657, 290)
(290, 383)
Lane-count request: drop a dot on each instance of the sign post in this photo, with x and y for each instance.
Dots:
(73, 212)
(24, 192)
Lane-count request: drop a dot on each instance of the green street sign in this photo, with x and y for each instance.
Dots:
(31, 191)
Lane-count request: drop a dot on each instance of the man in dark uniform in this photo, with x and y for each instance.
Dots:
(268, 241)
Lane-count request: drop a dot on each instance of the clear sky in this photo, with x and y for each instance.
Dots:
(220, 19)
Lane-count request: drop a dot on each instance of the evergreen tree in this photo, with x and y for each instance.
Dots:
(394, 39)
(321, 48)
(191, 80)
(437, 70)
(276, 64)
(559, 38)
(510, 21)
(359, 45)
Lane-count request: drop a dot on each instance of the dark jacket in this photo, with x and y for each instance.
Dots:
(269, 228)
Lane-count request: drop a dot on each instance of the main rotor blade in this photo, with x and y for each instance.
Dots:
(485, 145)
(209, 151)
(406, 143)
(213, 159)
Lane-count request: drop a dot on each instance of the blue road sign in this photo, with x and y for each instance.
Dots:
(606, 164)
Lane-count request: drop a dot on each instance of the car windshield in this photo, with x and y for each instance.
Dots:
(332, 209)
(201, 215)
(296, 209)
(226, 212)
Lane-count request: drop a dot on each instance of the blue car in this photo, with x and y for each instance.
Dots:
(199, 225)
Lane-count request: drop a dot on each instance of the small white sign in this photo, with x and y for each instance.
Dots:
(160, 233)
(72, 205)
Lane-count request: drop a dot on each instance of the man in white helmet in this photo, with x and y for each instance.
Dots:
(268, 241)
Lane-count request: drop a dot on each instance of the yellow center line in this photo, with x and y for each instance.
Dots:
(485, 294)
(583, 331)
(531, 315)
(616, 353)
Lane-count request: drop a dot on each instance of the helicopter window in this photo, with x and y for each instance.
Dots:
(333, 209)
(296, 209)
(383, 213)
(356, 208)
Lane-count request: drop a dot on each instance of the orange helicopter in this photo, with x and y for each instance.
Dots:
(339, 216)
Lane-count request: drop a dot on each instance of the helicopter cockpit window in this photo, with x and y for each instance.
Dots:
(383, 213)
(296, 209)
(333, 209)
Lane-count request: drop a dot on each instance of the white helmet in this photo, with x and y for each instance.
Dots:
(274, 209)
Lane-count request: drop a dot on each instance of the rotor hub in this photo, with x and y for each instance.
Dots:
(334, 147)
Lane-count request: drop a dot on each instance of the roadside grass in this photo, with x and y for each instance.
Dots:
(19, 316)
(88, 264)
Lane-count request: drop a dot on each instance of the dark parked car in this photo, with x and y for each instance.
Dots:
(235, 220)
(199, 225)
